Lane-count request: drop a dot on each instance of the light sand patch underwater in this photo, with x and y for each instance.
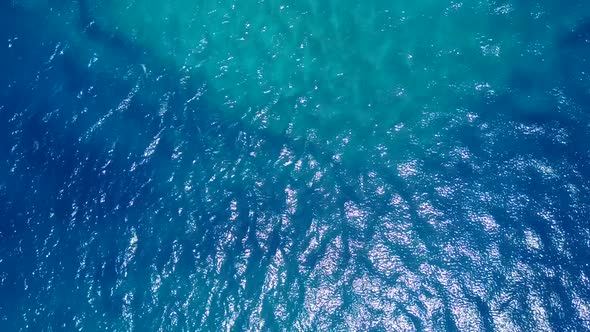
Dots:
(324, 64)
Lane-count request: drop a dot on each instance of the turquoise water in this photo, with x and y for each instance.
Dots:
(267, 165)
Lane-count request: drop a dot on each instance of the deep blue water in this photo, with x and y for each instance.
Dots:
(133, 199)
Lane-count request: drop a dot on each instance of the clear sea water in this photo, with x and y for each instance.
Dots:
(294, 165)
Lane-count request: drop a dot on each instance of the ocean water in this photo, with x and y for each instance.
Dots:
(295, 165)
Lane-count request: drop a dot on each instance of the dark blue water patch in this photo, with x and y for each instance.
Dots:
(62, 174)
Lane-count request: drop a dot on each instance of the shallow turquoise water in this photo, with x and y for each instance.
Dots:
(266, 165)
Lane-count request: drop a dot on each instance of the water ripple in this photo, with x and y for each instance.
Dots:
(138, 195)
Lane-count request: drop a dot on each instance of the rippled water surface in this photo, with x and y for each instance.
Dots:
(294, 165)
